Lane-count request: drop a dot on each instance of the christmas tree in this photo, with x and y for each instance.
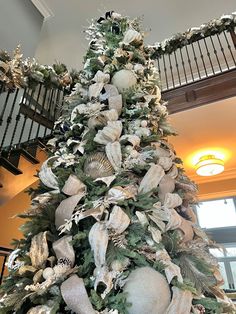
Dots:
(111, 228)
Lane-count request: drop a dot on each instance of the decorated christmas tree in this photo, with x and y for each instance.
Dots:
(111, 228)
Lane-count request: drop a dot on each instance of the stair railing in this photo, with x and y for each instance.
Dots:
(206, 57)
(27, 117)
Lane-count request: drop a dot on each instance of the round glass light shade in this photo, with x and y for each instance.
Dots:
(209, 166)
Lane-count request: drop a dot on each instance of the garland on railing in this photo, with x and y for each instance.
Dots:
(179, 40)
(18, 73)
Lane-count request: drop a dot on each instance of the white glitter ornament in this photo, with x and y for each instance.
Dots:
(148, 292)
(124, 79)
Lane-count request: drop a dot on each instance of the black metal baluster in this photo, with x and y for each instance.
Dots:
(26, 115)
(209, 56)
(35, 111)
(165, 70)
(159, 69)
(57, 106)
(171, 71)
(9, 119)
(233, 37)
(183, 64)
(215, 52)
(195, 59)
(177, 67)
(41, 111)
(49, 109)
(222, 50)
(4, 107)
(17, 121)
(229, 47)
(202, 57)
(54, 117)
(189, 62)
(53, 105)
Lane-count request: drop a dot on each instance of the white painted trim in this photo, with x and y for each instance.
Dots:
(43, 8)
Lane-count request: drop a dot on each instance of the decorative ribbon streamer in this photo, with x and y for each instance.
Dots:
(181, 301)
(66, 208)
(63, 249)
(73, 186)
(75, 295)
(76, 189)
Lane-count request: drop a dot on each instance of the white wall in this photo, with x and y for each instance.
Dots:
(62, 36)
(20, 23)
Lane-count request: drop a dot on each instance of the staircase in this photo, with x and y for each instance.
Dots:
(26, 122)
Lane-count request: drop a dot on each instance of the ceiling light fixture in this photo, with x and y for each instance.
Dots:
(209, 165)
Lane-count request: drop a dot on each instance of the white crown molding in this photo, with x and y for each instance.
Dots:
(43, 8)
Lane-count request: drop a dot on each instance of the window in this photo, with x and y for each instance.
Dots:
(217, 213)
(218, 218)
(227, 263)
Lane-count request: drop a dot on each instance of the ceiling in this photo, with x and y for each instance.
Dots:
(207, 128)
(62, 36)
